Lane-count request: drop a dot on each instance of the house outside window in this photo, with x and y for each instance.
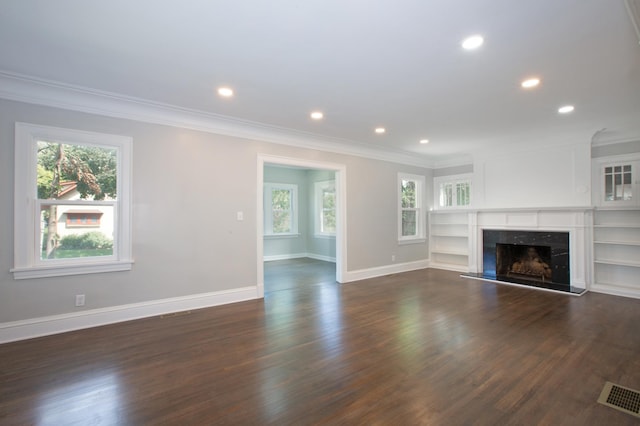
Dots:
(77, 215)
(325, 208)
(280, 209)
(80, 218)
(411, 221)
(452, 191)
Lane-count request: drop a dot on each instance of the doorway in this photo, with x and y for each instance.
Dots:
(319, 171)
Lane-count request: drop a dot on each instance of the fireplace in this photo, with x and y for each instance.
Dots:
(527, 262)
(533, 258)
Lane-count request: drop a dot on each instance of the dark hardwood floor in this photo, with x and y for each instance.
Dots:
(424, 347)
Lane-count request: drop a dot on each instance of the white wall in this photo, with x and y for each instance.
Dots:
(539, 176)
(187, 189)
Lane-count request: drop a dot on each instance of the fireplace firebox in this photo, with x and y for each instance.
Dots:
(527, 262)
(533, 258)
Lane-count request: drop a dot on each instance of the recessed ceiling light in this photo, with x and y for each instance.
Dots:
(317, 115)
(529, 83)
(472, 42)
(380, 130)
(566, 109)
(424, 141)
(225, 92)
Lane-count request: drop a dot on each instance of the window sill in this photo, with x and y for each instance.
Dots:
(412, 241)
(63, 270)
(325, 236)
(272, 236)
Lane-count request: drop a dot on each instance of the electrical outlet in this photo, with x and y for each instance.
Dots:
(79, 299)
(393, 257)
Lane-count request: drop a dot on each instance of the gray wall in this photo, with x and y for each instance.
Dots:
(187, 188)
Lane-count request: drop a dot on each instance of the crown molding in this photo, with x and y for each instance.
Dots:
(629, 139)
(23, 88)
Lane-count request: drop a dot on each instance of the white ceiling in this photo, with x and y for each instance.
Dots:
(391, 63)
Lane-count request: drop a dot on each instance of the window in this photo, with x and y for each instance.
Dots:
(617, 183)
(453, 191)
(325, 208)
(76, 218)
(411, 212)
(280, 209)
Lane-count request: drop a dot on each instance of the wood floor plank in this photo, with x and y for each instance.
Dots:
(424, 347)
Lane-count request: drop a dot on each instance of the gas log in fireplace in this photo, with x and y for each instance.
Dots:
(527, 257)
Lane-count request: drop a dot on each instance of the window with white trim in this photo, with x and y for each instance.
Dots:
(452, 191)
(72, 202)
(618, 182)
(280, 209)
(411, 221)
(325, 208)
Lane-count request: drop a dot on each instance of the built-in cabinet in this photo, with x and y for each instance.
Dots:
(616, 249)
(449, 240)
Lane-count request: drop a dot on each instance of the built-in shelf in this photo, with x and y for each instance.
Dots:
(451, 252)
(616, 248)
(618, 262)
(617, 225)
(449, 240)
(619, 243)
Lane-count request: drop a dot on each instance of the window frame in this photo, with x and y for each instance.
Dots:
(27, 262)
(269, 187)
(634, 163)
(420, 235)
(319, 209)
(454, 180)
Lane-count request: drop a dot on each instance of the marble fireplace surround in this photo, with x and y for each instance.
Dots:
(574, 221)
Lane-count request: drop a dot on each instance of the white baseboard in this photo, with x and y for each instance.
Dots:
(615, 290)
(449, 267)
(321, 257)
(44, 326)
(298, 256)
(284, 257)
(363, 274)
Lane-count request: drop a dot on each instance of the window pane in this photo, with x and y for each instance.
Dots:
(462, 192)
(281, 210)
(446, 195)
(409, 223)
(408, 194)
(281, 199)
(72, 172)
(328, 198)
(61, 238)
(281, 221)
(328, 220)
(608, 187)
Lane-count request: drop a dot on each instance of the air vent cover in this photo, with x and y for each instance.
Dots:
(621, 398)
